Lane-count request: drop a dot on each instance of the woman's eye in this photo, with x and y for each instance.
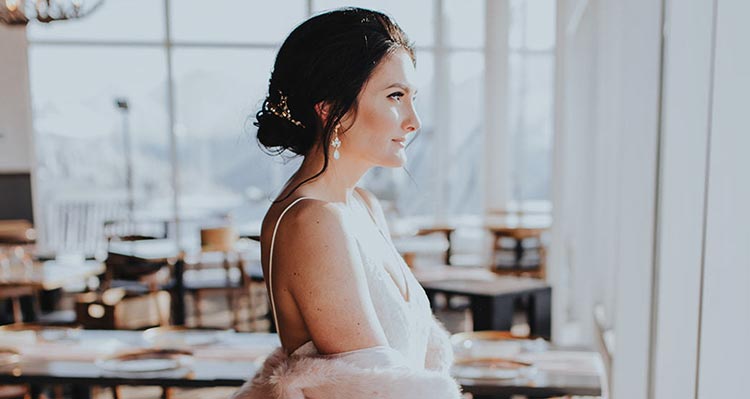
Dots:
(397, 95)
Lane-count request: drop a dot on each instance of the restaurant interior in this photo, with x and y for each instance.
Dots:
(573, 205)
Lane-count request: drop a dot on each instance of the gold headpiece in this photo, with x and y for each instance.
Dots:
(282, 110)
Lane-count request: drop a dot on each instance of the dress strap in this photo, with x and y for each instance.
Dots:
(270, 259)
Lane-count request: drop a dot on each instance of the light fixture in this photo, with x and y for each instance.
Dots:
(20, 12)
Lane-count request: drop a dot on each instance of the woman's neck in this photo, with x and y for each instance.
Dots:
(338, 181)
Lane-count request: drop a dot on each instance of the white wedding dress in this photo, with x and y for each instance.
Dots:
(416, 361)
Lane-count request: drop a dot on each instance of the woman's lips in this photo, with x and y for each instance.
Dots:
(400, 141)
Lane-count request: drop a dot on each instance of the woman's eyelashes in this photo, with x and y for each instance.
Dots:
(398, 96)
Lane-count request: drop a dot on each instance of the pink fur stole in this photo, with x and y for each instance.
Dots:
(378, 372)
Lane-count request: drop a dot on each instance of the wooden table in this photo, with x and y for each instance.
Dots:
(558, 373)
(228, 363)
(492, 297)
(236, 359)
(519, 228)
(411, 246)
(410, 227)
(445, 230)
(49, 275)
(18, 281)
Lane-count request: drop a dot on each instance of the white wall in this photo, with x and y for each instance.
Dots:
(572, 191)
(15, 102)
(685, 119)
(725, 315)
(604, 169)
(652, 190)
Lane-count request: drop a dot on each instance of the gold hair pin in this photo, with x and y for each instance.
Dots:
(282, 110)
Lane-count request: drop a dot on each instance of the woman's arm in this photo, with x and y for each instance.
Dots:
(317, 261)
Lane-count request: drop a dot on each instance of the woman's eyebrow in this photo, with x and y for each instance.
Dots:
(401, 86)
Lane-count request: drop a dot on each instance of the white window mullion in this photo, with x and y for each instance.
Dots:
(497, 154)
(173, 150)
(442, 112)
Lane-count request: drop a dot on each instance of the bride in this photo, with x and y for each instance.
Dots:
(352, 319)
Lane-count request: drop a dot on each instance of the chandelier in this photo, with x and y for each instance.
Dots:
(20, 12)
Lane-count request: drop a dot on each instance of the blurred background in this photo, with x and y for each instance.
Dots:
(596, 146)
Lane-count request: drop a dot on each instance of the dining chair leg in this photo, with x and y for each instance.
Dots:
(162, 313)
(166, 392)
(17, 312)
(58, 391)
(250, 310)
(197, 307)
(234, 305)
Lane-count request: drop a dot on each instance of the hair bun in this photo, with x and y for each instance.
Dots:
(278, 134)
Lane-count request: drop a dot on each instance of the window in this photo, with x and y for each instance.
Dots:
(81, 135)
(221, 57)
(235, 21)
(532, 68)
(221, 167)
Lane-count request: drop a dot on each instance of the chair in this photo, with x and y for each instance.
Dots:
(521, 252)
(129, 282)
(16, 232)
(233, 278)
(14, 293)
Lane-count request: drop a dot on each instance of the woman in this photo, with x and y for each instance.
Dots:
(352, 319)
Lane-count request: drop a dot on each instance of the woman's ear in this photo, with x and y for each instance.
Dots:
(321, 109)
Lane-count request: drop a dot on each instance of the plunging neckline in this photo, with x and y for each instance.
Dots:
(405, 296)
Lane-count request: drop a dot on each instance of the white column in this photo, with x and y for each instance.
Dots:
(497, 153)
(685, 115)
(725, 311)
(640, 94)
(15, 102)
(17, 153)
(442, 78)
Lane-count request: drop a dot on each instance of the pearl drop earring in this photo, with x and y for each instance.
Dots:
(336, 143)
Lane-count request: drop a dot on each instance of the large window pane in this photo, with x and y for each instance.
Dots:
(465, 22)
(80, 137)
(532, 24)
(415, 16)
(531, 84)
(232, 21)
(465, 135)
(222, 169)
(114, 20)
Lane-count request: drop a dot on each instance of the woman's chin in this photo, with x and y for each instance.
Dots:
(397, 161)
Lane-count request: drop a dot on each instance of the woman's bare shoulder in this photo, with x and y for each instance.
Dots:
(306, 216)
(318, 265)
(311, 237)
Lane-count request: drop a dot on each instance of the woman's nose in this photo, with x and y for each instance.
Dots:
(412, 122)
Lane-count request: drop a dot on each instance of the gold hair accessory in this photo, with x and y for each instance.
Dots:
(282, 110)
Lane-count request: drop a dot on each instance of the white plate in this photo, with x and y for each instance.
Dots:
(491, 368)
(144, 365)
(168, 338)
(145, 361)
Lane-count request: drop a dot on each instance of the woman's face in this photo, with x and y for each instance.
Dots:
(385, 116)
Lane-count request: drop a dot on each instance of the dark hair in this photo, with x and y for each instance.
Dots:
(328, 59)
